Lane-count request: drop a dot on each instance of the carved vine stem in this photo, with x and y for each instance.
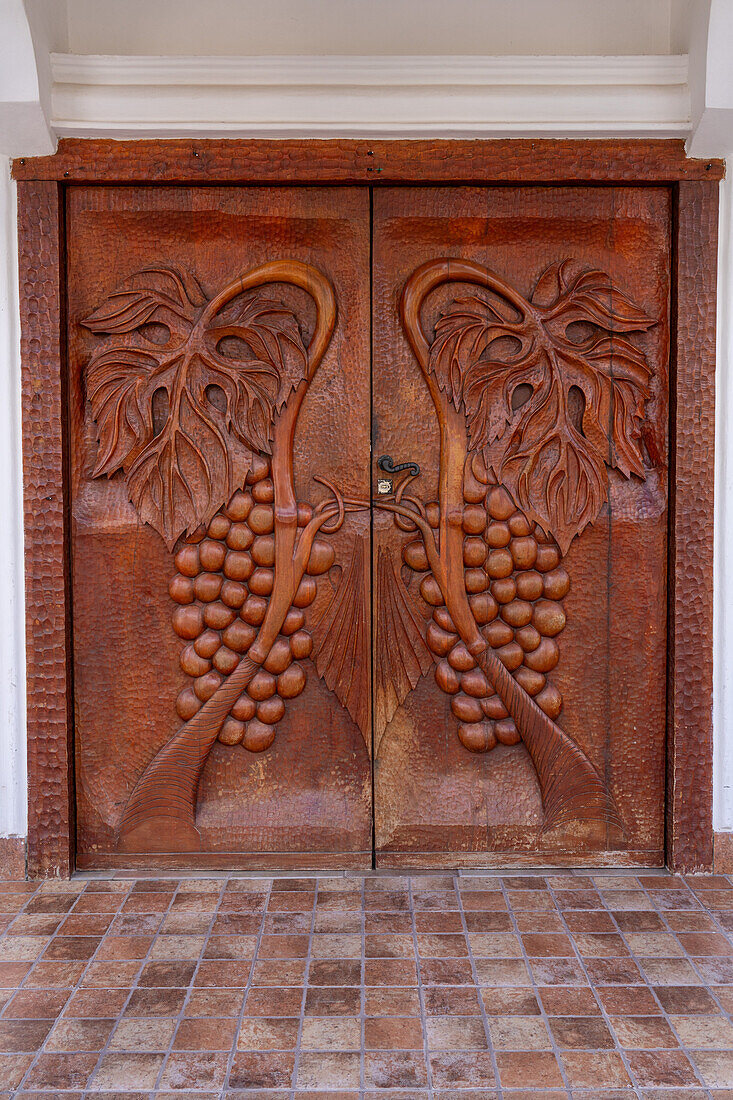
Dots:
(161, 809)
(571, 787)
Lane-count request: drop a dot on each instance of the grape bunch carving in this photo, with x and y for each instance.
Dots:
(515, 586)
(196, 401)
(536, 399)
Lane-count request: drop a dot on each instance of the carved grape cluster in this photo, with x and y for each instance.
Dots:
(225, 576)
(515, 585)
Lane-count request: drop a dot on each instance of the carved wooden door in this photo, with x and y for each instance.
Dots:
(219, 415)
(241, 561)
(520, 356)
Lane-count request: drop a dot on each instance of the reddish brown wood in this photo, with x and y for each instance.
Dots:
(690, 720)
(380, 162)
(42, 235)
(556, 290)
(48, 620)
(238, 294)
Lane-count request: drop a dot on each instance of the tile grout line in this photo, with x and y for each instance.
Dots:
(120, 1014)
(652, 990)
(581, 962)
(189, 991)
(299, 1037)
(420, 993)
(253, 965)
(477, 988)
(724, 932)
(74, 989)
(362, 1002)
(535, 988)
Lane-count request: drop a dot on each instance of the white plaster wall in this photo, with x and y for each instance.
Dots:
(303, 27)
(12, 661)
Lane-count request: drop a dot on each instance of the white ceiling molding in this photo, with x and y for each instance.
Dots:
(25, 84)
(94, 96)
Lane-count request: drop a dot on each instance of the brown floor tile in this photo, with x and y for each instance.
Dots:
(334, 972)
(222, 974)
(590, 1070)
(97, 1002)
(13, 1068)
(569, 1001)
(390, 946)
(580, 1033)
(18, 1036)
(279, 972)
(142, 1035)
(482, 921)
(704, 1032)
(529, 1068)
(61, 1071)
(519, 1033)
(167, 974)
(599, 945)
(194, 1070)
(36, 1004)
(331, 1033)
(70, 1034)
(323, 1070)
(48, 974)
(644, 1032)
(686, 1000)
(395, 1001)
(451, 1000)
(395, 1070)
(630, 921)
(507, 1001)
(446, 972)
(205, 1033)
(127, 1071)
(166, 1001)
(547, 946)
(613, 971)
(439, 922)
(251, 1070)
(271, 1001)
(332, 1001)
(498, 972)
(390, 972)
(283, 947)
(715, 1067)
(661, 1067)
(560, 971)
(400, 1033)
(456, 1033)
(263, 1033)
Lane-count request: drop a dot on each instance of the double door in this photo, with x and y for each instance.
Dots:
(368, 526)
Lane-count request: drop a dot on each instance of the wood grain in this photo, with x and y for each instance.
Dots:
(374, 162)
(690, 720)
(48, 619)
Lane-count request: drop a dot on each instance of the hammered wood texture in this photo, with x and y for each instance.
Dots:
(690, 752)
(378, 162)
(47, 610)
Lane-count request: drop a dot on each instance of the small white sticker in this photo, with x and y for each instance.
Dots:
(384, 486)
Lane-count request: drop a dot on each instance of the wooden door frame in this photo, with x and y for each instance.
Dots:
(42, 182)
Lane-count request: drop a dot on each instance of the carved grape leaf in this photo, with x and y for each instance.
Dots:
(184, 393)
(583, 382)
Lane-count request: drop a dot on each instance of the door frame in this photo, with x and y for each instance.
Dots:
(42, 183)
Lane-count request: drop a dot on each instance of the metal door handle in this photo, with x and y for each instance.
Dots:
(385, 463)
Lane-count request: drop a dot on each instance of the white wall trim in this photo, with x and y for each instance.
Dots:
(13, 809)
(96, 95)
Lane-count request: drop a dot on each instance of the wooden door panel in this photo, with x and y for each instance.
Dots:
(526, 371)
(218, 366)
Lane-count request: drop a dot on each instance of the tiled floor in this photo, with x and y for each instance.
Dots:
(475, 986)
